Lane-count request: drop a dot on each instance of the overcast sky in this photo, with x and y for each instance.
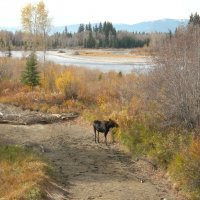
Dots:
(66, 12)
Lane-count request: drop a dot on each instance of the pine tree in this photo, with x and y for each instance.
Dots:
(194, 19)
(81, 28)
(86, 27)
(89, 27)
(95, 28)
(65, 32)
(30, 76)
(91, 41)
(100, 27)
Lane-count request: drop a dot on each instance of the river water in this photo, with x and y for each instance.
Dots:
(104, 65)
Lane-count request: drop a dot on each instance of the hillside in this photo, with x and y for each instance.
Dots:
(162, 25)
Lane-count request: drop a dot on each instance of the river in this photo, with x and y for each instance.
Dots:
(104, 64)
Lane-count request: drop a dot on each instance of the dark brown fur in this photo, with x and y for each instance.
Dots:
(103, 127)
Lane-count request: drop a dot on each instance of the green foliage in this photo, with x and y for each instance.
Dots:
(185, 169)
(81, 28)
(131, 42)
(12, 154)
(90, 41)
(108, 37)
(167, 145)
(34, 194)
(142, 140)
(30, 76)
(194, 19)
(137, 138)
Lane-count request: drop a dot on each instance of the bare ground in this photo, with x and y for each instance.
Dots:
(85, 170)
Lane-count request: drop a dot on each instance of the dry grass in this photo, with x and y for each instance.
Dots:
(22, 174)
(110, 54)
(144, 51)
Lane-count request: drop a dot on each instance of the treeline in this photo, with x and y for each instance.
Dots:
(102, 35)
(10, 40)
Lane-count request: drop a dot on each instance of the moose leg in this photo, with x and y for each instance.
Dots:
(95, 135)
(98, 136)
(105, 134)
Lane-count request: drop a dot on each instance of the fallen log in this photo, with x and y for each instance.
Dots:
(32, 117)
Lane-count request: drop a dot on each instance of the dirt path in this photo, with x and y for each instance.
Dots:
(87, 170)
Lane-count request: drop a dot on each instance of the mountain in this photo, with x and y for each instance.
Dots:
(12, 29)
(163, 25)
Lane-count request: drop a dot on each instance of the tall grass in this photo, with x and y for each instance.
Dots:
(22, 174)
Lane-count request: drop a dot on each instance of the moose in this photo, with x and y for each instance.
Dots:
(103, 127)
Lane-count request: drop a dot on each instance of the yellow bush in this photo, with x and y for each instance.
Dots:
(48, 77)
(64, 80)
(67, 84)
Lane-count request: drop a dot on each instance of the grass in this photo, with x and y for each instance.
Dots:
(110, 54)
(22, 174)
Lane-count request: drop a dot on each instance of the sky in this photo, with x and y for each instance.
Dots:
(67, 12)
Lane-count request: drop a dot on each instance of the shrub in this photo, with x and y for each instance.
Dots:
(30, 76)
(67, 84)
(185, 169)
(166, 145)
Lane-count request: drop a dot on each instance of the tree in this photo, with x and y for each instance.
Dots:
(194, 19)
(44, 24)
(65, 32)
(90, 42)
(89, 27)
(100, 27)
(36, 24)
(175, 81)
(95, 28)
(30, 76)
(81, 28)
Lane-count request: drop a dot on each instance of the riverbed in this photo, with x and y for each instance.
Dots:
(69, 57)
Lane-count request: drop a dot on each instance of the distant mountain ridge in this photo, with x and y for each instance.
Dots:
(162, 25)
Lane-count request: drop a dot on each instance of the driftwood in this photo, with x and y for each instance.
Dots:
(20, 117)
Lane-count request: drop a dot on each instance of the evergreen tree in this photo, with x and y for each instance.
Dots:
(90, 41)
(170, 34)
(30, 76)
(65, 32)
(95, 28)
(81, 28)
(86, 27)
(100, 27)
(194, 19)
(89, 27)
